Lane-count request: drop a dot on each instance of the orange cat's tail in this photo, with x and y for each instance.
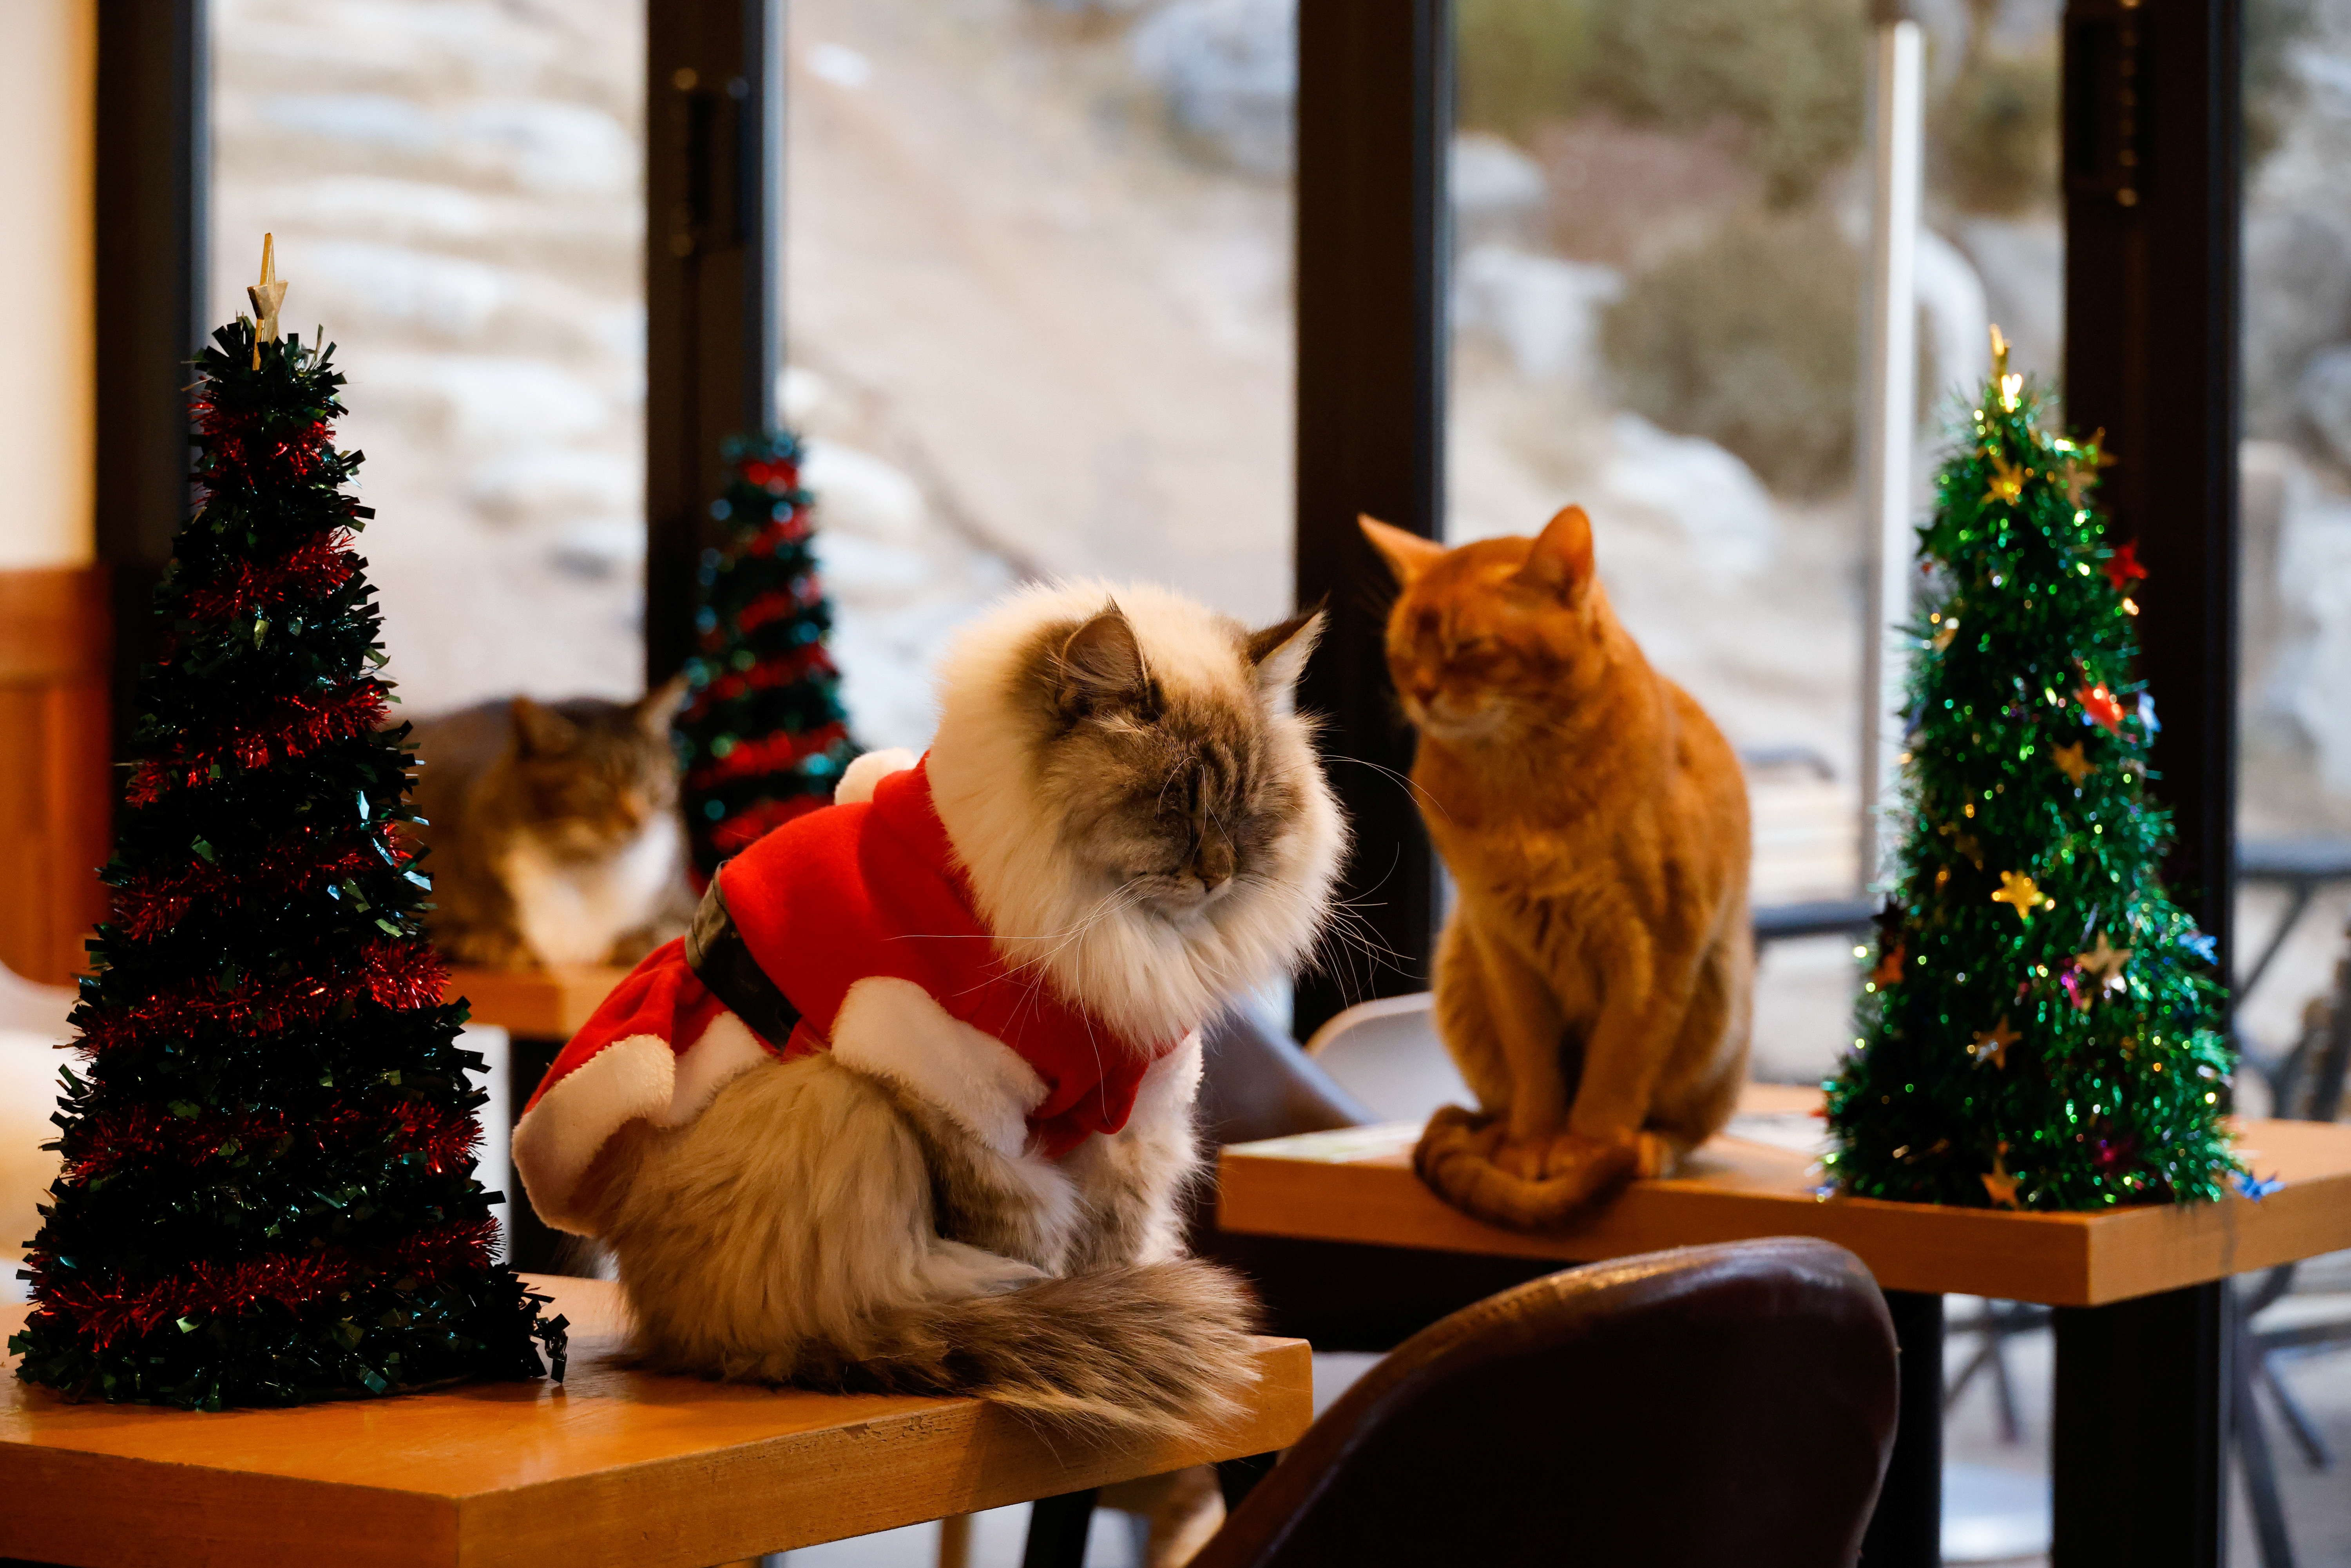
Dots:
(1138, 1350)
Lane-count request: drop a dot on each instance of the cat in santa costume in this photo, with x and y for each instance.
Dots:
(910, 1107)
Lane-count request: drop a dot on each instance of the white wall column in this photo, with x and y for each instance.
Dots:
(48, 93)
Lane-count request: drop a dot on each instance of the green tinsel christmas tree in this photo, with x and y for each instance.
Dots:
(2041, 1027)
(268, 1193)
(762, 736)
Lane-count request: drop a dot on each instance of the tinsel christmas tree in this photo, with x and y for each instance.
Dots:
(762, 735)
(269, 1194)
(2040, 1029)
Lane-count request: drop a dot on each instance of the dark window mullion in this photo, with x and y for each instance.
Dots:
(1374, 124)
(713, 103)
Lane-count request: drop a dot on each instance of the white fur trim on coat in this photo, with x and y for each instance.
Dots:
(558, 1138)
(857, 781)
(726, 1050)
(894, 1030)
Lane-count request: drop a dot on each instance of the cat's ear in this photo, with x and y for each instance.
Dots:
(541, 731)
(655, 709)
(1100, 666)
(1561, 562)
(1278, 655)
(1407, 555)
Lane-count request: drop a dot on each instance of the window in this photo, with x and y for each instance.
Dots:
(457, 195)
(2294, 781)
(1037, 301)
(1661, 219)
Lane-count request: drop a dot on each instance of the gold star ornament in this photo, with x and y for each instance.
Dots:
(2016, 890)
(2070, 760)
(1992, 1044)
(2082, 461)
(2007, 487)
(1998, 1185)
(2105, 962)
(267, 296)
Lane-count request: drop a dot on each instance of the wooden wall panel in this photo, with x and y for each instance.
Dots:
(56, 791)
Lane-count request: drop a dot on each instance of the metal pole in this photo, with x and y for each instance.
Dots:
(1890, 417)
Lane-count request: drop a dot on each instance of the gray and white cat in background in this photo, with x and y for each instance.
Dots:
(555, 829)
(1143, 825)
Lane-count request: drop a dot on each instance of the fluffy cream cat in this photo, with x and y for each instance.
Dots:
(955, 1168)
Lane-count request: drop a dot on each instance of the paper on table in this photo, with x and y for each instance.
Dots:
(1340, 1146)
(1799, 1131)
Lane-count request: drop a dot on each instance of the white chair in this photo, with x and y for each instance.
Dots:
(1386, 1054)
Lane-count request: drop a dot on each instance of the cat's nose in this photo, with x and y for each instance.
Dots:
(1213, 864)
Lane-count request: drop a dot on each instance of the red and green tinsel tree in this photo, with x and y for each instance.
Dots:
(762, 735)
(269, 1194)
(2041, 1028)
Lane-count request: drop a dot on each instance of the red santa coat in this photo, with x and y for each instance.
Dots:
(861, 914)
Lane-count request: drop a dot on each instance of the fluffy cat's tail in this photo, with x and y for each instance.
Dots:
(1143, 1349)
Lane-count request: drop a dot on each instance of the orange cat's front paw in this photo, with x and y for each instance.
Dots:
(1591, 1164)
(1529, 1159)
(1466, 1160)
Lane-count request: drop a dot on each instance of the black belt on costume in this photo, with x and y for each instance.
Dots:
(717, 952)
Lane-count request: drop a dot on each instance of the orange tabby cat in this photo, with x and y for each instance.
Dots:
(1593, 980)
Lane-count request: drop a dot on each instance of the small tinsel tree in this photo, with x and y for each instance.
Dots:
(268, 1193)
(2040, 1029)
(762, 735)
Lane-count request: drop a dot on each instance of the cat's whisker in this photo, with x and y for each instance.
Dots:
(1101, 909)
(1412, 790)
(1355, 933)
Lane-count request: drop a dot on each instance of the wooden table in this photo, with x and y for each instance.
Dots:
(610, 1468)
(1357, 1185)
(2143, 1317)
(533, 1004)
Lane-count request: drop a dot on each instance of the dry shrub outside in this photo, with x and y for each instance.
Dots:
(1995, 132)
(1626, 195)
(1520, 63)
(1791, 73)
(1748, 339)
(1795, 71)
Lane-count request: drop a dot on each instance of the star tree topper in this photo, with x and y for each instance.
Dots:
(267, 296)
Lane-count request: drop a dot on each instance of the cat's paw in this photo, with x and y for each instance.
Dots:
(1467, 1160)
(1589, 1164)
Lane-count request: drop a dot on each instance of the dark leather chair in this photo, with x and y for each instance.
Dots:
(1707, 1406)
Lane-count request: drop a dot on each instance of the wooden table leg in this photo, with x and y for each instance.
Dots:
(955, 1541)
(2139, 1447)
(1057, 1531)
(1907, 1530)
